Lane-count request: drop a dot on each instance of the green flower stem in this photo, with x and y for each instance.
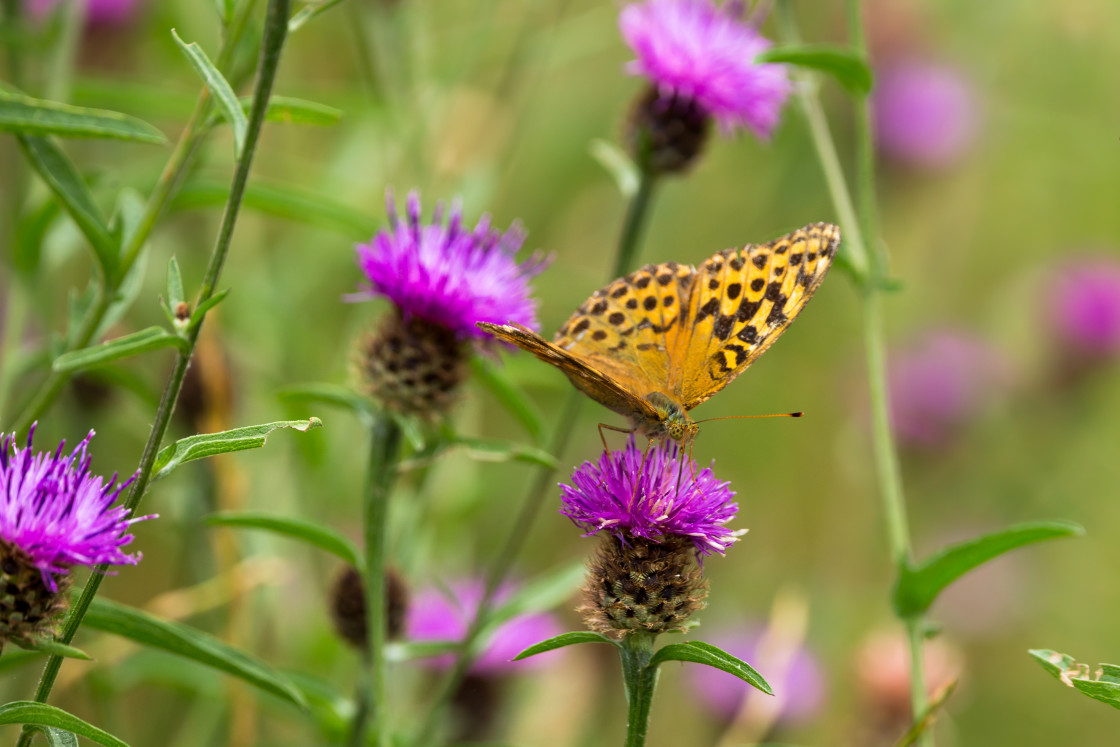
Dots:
(275, 31)
(384, 453)
(640, 681)
(66, 50)
(637, 214)
(629, 243)
(362, 697)
(175, 171)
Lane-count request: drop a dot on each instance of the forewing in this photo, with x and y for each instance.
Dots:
(628, 329)
(741, 302)
(592, 382)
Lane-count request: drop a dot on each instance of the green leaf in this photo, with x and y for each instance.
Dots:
(288, 110)
(151, 338)
(849, 68)
(564, 639)
(204, 308)
(60, 174)
(313, 534)
(619, 165)
(482, 450)
(918, 586)
(282, 201)
(56, 648)
(220, 89)
(412, 650)
(183, 640)
(203, 445)
(309, 11)
(175, 293)
(58, 737)
(331, 394)
(494, 378)
(1102, 685)
(705, 653)
(122, 347)
(41, 714)
(28, 116)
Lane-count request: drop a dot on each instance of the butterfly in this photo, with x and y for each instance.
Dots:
(658, 342)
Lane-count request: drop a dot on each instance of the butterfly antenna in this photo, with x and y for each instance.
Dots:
(741, 417)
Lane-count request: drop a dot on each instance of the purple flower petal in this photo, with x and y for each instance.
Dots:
(59, 514)
(1085, 306)
(666, 495)
(444, 274)
(694, 49)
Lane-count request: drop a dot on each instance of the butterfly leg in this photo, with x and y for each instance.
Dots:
(611, 428)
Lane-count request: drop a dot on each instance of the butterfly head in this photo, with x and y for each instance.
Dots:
(673, 419)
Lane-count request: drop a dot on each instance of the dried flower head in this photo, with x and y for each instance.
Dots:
(696, 50)
(347, 606)
(53, 515)
(449, 276)
(667, 495)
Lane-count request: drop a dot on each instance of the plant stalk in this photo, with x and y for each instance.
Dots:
(640, 682)
(384, 453)
(275, 31)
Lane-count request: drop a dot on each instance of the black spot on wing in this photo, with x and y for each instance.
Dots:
(723, 326)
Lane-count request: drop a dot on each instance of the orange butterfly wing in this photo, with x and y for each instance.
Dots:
(741, 301)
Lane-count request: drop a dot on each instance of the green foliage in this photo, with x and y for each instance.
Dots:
(306, 531)
(918, 586)
(203, 445)
(562, 640)
(848, 68)
(152, 338)
(510, 396)
(1103, 684)
(29, 116)
(221, 90)
(190, 643)
(49, 717)
(699, 652)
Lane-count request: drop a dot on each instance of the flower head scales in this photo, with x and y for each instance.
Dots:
(697, 50)
(445, 274)
(667, 495)
(58, 514)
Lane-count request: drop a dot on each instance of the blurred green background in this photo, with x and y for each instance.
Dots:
(499, 101)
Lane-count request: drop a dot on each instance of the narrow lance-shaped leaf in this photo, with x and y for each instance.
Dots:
(1101, 684)
(151, 338)
(850, 69)
(313, 534)
(205, 445)
(289, 110)
(60, 174)
(619, 165)
(562, 640)
(332, 394)
(220, 88)
(705, 653)
(41, 714)
(59, 737)
(190, 643)
(918, 586)
(29, 116)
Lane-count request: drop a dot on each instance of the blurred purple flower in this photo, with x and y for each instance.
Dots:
(449, 276)
(695, 50)
(54, 512)
(800, 690)
(925, 114)
(666, 495)
(98, 12)
(939, 383)
(1085, 307)
(445, 615)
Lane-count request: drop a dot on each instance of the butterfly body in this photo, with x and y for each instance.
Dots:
(656, 343)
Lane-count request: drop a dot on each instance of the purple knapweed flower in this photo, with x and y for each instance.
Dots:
(447, 275)
(1085, 307)
(446, 614)
(695, 50)
(939, 383)
(925, 114)
(105, 13)
(799, 690)
(56, 514)
(668, 495)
